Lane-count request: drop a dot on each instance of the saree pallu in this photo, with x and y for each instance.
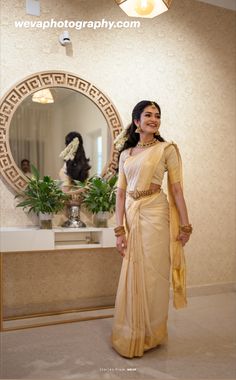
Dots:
(141, 308)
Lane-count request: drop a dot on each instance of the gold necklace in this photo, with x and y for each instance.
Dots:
(149, 143)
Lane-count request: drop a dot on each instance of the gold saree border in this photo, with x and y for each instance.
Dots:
(120, 343)
(176, 249)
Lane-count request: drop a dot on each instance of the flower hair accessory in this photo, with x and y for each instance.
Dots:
(70, 150)
(121, 139)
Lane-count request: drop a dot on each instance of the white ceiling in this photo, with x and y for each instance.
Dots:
(229, 4)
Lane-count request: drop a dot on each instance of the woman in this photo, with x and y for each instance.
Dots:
(153, 236)
(76, 166)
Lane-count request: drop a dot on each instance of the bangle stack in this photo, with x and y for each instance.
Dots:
(186, 228)
(120, 230)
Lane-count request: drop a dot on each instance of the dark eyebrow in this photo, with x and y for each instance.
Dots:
(148, 112)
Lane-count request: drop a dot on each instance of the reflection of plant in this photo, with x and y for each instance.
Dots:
(42, 195)
(100, 194)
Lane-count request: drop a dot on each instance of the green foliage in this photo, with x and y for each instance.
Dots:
(42, 194)
(100, 194)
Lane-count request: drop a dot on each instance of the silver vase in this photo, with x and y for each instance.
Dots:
(74, 217)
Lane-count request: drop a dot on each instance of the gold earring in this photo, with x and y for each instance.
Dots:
(157, 133)
(138, 130)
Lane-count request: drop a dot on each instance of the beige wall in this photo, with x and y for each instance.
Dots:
(184, 59)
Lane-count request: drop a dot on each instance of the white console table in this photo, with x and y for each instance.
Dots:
(13, 239)
(34, 240)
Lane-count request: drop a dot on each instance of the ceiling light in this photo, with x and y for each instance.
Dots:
(144, 8)
(43, 96)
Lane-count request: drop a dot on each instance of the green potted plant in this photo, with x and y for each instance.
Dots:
(42, 196)
(99, 198)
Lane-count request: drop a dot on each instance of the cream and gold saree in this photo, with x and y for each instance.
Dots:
(141, 309)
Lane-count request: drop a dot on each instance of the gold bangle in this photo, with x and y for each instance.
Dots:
(120, 234)
(187, 228)
(118, 228)
(119, 231)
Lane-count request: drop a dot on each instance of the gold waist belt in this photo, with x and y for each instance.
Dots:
(137, 194)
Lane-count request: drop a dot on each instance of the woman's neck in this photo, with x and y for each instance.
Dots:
(145, 138)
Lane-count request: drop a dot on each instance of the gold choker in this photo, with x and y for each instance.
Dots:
(144, 145)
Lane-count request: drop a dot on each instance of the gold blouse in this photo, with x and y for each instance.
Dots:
(169, 162)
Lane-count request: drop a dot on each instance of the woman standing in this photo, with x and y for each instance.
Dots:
(153, 236)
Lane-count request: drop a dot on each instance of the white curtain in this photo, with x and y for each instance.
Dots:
(28, 132)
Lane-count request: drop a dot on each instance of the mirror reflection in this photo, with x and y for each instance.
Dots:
(38, 129)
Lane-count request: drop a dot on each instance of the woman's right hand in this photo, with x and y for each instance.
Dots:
(121, 244)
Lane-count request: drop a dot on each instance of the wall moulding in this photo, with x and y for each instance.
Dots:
(35, 82)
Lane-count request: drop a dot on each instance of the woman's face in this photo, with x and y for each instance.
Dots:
(150, 120)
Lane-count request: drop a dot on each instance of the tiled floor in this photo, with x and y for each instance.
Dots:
(202, 345)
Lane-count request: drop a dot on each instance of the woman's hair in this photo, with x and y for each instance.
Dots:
(78, 168)
(133, 137)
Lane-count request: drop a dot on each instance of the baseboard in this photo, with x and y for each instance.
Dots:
(46, 320)
(210, 289)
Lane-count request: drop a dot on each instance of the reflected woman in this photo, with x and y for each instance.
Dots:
(76, 165)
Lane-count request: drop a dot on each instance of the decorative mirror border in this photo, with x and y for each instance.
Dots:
(38, 81)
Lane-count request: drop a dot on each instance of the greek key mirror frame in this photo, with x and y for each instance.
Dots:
(46, 79)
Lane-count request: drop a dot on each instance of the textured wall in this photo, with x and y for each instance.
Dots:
(184, 59)
(40, 282)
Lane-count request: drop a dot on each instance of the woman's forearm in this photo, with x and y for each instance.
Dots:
(180, 204)
(120, 206)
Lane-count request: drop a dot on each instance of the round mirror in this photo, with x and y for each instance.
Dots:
(36, 130)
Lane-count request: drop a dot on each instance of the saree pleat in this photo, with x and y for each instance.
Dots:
(141, 308)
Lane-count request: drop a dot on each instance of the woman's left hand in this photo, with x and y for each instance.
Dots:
(183, 237)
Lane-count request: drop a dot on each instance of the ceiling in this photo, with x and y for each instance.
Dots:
(228, 4)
